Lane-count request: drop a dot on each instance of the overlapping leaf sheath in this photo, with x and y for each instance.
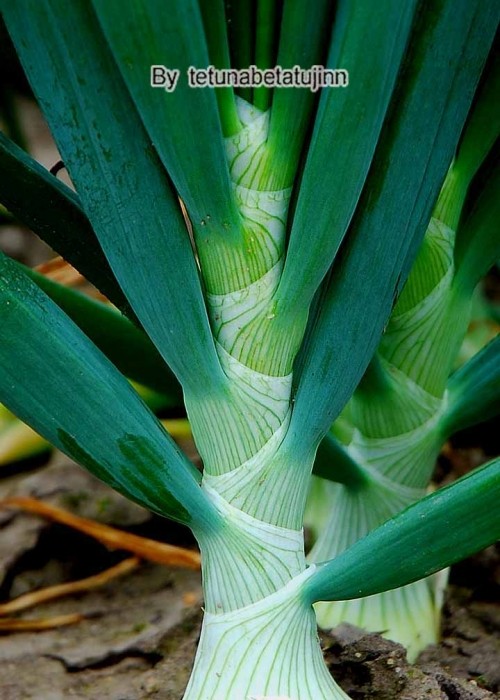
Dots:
(279, 635)
(255, 408)
(240, 436)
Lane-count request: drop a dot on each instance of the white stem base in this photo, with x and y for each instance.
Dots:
(267, 650)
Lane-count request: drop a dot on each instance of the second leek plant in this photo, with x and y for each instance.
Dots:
(407, 404)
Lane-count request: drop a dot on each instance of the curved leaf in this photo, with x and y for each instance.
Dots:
(474, 390)
(478, 235)
(433, 533)
(128, 348)
(53, 212)
(334, 463)
(54, 379)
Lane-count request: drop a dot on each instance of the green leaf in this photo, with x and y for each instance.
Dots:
(477, 244)
(480, 132)
(214, 20)
(128, 348)
(483, 125)
(183, 124)
(333, 462)
(433, 533)
(443, 66)
(266, 31)
(241, 31)
(53, 212)
(474, 390)
(337, 163)
(303, 41)
(120, 182)
(55, 379)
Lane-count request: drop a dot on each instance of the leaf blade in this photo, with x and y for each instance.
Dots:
(45, 361)
(382, 242)
(374, 563)
(474, 390)
(184, 123)
(26, 188)
(126, 346)
(364, 102)
(124, 191)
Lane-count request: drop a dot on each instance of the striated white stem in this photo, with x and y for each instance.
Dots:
(269, 649)
(248, 559)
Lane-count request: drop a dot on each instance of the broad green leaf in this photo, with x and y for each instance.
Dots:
(184, 123)
(443, 66)
(337, 163)
(57, 381)
(119, 179)
(447, 526)
(474, 390)
(128, 348)
(53, 212)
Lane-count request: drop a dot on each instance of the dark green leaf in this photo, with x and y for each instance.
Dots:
(332, 462)
(483, 124)
(337, 163)
(241, 31)
(474, 390)
(56, 380)
(478, 236)
(266, 34)
(443, 66)
(303, 41)
(53, 212)
(433, 533)
(183, 124)
(480, 132)
(128, 348)
(214, 20)
(120, 182)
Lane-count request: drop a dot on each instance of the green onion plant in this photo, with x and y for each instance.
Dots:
(256, 239)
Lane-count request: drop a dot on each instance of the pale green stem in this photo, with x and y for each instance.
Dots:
(267, 650)
(258, 638)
